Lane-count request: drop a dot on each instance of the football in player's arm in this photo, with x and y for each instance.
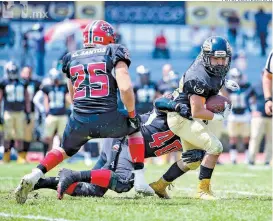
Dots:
(203, 79)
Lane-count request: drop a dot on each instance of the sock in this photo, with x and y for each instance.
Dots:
(52, 159)
(173, 172)
(246, 146)
(45, 148)
(84, 176)
(101, 177)
(205, 173)
(246, 153)
(233, 152)
(26, 146)
(71, 188)
(47, 183)
(137, 151)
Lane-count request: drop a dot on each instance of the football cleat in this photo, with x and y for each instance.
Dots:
(204, 192)
(66, 178)
(26, 185)
(160, 188)
(21, 159)
(140, 184)
(6, 157)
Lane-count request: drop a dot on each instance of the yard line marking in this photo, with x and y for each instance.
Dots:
(226, 191)
(193, 172)
(9, 178)
(31, 217)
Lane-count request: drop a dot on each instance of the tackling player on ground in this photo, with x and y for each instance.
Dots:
(94, 75)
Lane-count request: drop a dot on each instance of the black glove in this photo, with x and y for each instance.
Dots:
(192, 156)
(1, 120)
(134, 122)
(183, 110)
(28, 118)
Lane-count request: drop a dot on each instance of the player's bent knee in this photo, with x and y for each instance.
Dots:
(215, 147)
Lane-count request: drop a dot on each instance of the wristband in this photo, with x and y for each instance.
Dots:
(268, 99)
(132, 114)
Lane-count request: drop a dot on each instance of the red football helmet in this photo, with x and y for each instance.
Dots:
(98, 32)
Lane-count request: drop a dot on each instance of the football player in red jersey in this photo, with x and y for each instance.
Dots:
(94, 74)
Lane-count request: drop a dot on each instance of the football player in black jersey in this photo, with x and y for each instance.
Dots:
(203, 79)
(16, 109)
(267, 84)
(146, 90)
(95, 73)
(238, 122)
(33, 86)
(116, 160)
(56, 97)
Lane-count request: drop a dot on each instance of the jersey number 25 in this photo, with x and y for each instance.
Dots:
(88, 82)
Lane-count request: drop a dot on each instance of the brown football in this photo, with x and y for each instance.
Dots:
(216, 103)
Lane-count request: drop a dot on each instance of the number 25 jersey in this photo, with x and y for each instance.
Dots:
(92, 74)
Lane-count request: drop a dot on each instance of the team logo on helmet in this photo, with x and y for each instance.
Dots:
(108, 29)
(198, 90)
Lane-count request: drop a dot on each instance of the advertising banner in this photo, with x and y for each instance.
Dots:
(145, 12)
(89, 10)
(216, 13)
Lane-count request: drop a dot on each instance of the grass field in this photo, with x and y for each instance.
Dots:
(246, 194)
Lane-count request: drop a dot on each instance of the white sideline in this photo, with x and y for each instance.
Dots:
(31, 217)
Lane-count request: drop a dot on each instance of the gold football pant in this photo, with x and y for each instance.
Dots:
(14, 125)
(194, 134)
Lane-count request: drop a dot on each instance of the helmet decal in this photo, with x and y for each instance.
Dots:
(106, 28)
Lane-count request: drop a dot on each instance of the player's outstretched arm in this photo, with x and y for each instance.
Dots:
(125, 86)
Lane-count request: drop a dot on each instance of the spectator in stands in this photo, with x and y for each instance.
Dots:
(233, 22)
(161, 47)
(40, 49)
(261, 25)
(165, 73)
(260, 127)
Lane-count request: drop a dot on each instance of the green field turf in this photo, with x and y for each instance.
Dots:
(246, 195)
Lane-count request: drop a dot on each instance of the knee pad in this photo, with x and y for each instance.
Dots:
(216, 147)
(194, 165)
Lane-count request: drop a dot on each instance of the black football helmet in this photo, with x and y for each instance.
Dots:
(55, 75)
(11, 70)
(216, 46)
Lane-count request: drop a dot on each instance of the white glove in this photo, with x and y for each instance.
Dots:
(223, 115)
(232, 85)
